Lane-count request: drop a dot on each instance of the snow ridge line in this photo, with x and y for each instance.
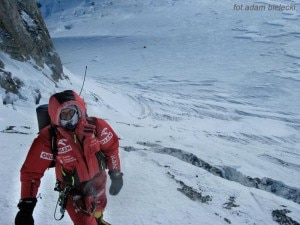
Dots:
(266, 184)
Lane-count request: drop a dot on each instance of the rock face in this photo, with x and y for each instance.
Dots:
(24, 36)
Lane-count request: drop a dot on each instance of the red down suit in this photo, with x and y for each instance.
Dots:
(75, 155)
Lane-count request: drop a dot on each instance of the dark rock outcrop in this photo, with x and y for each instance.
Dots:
(24, 36)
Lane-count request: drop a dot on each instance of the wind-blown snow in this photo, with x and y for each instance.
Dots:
(204, 98)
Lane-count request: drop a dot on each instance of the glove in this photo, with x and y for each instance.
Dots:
(24, 216)
(116, 182)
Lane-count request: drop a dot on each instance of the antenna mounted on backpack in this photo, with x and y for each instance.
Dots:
(83, 80)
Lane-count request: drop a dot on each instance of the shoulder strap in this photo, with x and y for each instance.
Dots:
(52, 132)
(91, 120)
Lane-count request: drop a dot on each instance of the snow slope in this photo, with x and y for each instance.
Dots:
(205, 100)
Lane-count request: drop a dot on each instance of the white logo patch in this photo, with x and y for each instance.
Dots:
(64, 149)
(104, 132)
(46, 155)
(107, 138)
(62, 142)
(114, 162)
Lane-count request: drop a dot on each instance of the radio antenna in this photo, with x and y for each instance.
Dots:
(83, 80)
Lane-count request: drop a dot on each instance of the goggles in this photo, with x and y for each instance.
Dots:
(69, 117)
(67, 113)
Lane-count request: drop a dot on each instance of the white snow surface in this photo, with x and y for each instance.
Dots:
(185, 83)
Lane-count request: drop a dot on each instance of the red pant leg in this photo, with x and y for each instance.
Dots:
(79, 217)
(100, 186)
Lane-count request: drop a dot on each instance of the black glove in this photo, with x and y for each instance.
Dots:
(116, 182)
(24, 216)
